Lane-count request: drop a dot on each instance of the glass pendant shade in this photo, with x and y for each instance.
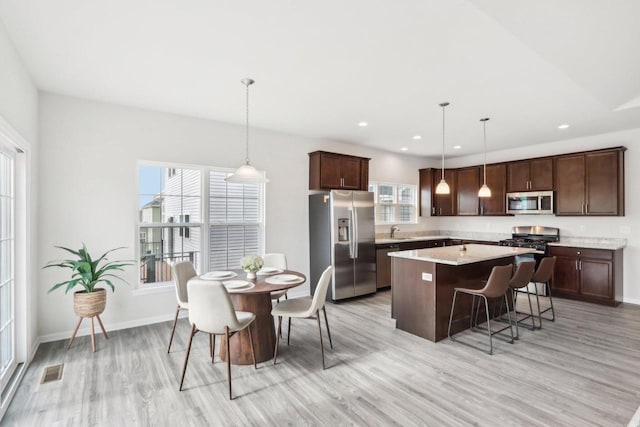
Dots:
(485, 191)
(247, 173)
(443, 187)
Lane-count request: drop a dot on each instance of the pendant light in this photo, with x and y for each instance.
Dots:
(484, 190)
(443, 187)
(247, 173)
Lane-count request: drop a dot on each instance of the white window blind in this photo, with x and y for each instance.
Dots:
(395, 203)
(235, 221)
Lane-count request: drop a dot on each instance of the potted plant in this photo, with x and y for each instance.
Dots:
(87, 273)
(251, 264)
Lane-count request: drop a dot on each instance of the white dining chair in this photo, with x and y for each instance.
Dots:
(181, 272)
(211, 311)
(305, 308)
(276, 260)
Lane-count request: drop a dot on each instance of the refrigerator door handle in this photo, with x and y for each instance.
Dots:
(355, 234)
(352, 238)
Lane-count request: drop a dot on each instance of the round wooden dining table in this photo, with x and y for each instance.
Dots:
(256, 300)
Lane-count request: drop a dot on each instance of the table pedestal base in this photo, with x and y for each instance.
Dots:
(262, 328)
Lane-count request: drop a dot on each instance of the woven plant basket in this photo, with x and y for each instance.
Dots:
(89, 304)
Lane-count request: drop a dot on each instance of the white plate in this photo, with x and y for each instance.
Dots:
(237, 284)
(284, 278)
(265, 271)
(218, 275)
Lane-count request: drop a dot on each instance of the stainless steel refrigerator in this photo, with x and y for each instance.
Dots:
(342, 234)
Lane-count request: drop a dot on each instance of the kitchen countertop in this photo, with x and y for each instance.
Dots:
(452, 255)
(576, 242)
(591, 243)
(410, 239)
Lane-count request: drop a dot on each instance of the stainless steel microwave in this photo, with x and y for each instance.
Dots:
(530, 202)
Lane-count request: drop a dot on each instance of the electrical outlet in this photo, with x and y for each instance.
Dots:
(625, 229)
(427, 277)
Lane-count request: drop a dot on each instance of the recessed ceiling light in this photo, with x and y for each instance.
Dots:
(563, 126)
(457, 147)
(363, 124)
(404, 149)
(417, 136)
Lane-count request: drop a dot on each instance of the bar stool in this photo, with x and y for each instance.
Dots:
(543, 275)
(521, 279)
(496, 287)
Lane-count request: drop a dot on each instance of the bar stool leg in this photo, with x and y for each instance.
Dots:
(514, 296)
(553, 311)
(486, 306)
(506, 300)
(455, 293)
(533, 322)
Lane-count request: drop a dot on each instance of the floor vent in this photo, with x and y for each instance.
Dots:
(52, 373)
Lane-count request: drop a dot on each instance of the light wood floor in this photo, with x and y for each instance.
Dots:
(582, 370)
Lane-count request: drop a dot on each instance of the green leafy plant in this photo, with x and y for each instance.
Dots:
(87, 272)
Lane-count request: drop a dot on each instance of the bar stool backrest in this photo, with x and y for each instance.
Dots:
(545, 270)
(523, 274)
(498, 282)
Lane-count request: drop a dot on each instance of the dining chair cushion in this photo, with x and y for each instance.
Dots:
(306, 307)
(182, 272)
(278, 294)
(295, 307)
(211, 309)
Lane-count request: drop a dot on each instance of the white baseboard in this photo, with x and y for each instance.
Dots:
(631, 300)
(111, 327)
(300, 292)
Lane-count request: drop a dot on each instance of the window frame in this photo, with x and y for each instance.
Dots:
(205, 221)
(374, 187)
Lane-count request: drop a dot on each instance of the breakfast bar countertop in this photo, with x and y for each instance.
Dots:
(456, 255)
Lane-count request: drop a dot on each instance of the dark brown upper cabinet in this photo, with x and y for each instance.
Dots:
(468, 184)
(432, 204)
(329, 171)
(497, 183)
(590, 183)
(530, 175)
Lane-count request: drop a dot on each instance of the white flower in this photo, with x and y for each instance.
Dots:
(252, 263)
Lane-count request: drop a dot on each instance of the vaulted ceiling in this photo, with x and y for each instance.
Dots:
(322, 67)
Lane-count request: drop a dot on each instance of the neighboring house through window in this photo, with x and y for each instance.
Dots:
(183, 215)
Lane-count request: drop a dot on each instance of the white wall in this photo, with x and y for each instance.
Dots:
(611, 227)
(88, 190)
(19, 123)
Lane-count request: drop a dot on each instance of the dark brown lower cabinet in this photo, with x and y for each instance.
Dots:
(593, 275)
(383, 266)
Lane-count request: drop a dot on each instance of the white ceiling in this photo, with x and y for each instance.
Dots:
(322, 66)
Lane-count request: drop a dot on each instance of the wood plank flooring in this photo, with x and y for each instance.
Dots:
(582, 370)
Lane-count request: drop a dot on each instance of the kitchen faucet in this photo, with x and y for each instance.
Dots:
(394, 228)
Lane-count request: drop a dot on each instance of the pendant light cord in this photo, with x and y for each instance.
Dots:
(484, 130)
(443, 105)
(247, 82)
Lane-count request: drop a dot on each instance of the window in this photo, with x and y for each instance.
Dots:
(187, 212)
(7, 264)
(394, 203)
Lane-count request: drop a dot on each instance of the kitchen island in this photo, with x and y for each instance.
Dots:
(422, 284)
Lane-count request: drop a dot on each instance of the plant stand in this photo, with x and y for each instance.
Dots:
(89, 305)
(93, 337)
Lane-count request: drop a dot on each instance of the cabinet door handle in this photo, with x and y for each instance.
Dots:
(586, 208)
(433, 210)
(582, 207)
(440, 211)
(580, 264)
(577, 265)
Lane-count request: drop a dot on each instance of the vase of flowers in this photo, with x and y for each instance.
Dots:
(251, 264)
